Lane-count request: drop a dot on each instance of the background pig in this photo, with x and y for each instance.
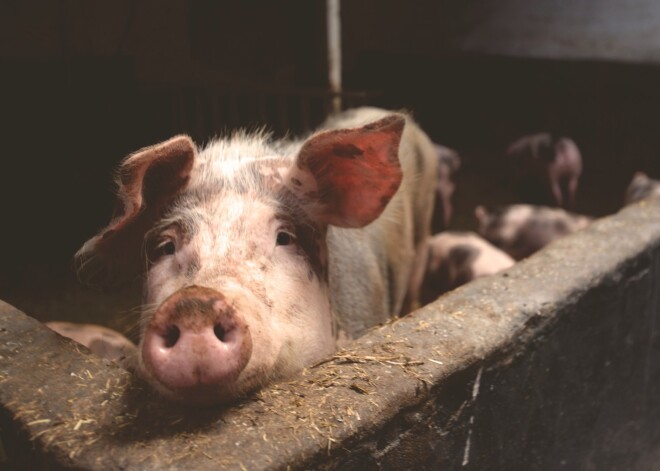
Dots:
(255, 253)
(401, 231)
(547, 163)
(641, 187)
(451, 259)
(102, 341)
(522, 229)
(448, 164)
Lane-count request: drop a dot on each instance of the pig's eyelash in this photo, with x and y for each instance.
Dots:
(163, 246)
(285, 238)
(286, 233)
(160, 245)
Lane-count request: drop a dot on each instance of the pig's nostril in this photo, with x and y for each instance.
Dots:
(219, 332)
(171, 336)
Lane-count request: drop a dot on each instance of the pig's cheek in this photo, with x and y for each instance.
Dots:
(296, 338)
(311, 336)
(267, 342)
(298, 347)
(156, 285)
(163, 279)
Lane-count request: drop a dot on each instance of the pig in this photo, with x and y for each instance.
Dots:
(641, 187)
(451, 259)
(522, 229)
(554, 163)
(102, 341)
(449, 163)
(256, 253)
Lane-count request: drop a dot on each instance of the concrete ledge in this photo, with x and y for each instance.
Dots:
(554, 364)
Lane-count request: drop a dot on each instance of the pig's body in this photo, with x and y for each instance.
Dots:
(448, 164)
(451, 259)
(102, 341)
(258, 251)
(542, 162)
(640, 188)
(522, 229)
(384, 250)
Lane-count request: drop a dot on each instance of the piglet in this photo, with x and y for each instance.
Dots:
(522, 229)
(102, 341)
(451, 259)
(641, 187)
(546, 168)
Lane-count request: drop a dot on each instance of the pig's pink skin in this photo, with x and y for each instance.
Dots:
(102, 341)
(641, 187)
(522, 229)
(451, 259)
(272, 230)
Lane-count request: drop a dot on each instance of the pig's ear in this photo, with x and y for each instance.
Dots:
(346, 177)
(148, 182)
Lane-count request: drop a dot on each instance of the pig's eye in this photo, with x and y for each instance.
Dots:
(284, 238)
(164, 248)
(162, 244)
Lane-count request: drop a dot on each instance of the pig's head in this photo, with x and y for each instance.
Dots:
(640, 187)
(231, 243)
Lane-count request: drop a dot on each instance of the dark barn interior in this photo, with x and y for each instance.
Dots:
(568, 367)
(85, 84)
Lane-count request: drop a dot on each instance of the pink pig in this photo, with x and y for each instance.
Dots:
(522, 229)
(641, 187)
(449, 162)
(256, 253)
(102, 341)
(544, 161)
(451, 259)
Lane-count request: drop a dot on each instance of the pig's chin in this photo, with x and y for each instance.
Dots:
(202, 394)
(255, 376)
(203, 391)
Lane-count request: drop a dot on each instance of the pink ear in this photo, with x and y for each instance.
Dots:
(148, 181)
(152, 177)
(350, 175)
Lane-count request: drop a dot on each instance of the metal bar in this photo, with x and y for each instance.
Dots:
(334, 53)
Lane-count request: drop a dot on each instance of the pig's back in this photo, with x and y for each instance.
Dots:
(370, 268)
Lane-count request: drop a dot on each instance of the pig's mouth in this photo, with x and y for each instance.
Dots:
(203, 395)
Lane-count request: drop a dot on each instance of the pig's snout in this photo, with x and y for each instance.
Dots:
(196, 343)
